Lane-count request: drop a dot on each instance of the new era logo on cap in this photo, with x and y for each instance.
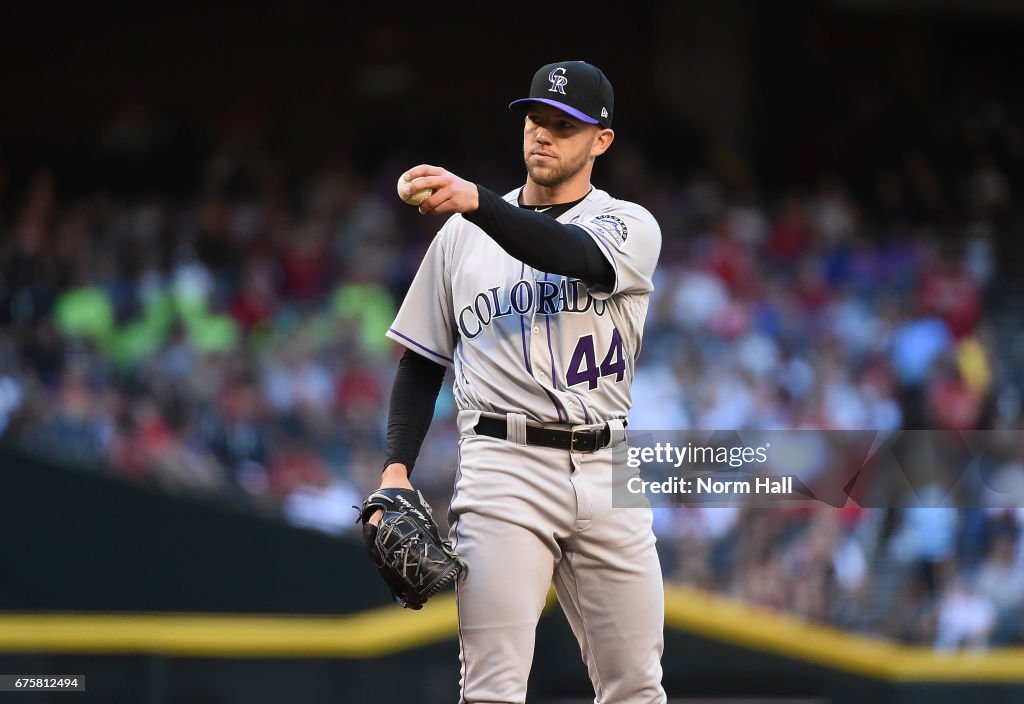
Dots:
(578, 88)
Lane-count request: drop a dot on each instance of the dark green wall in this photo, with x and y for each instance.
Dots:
(77, 540)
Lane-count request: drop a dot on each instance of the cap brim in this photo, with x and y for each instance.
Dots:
(568, 109)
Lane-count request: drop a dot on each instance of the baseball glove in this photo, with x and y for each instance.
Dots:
(406, 547)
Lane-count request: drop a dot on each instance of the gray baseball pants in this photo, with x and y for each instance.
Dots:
(523, 517)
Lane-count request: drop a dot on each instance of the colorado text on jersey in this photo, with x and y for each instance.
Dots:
(547, 297)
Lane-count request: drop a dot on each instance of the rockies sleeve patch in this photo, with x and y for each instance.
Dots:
(613, 227)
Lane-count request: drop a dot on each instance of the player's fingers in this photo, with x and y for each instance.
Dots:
(429, 207)
(375, 518)
(438, 197)
(442, 202)
(434, 183)
(451, 195)
(423, 170)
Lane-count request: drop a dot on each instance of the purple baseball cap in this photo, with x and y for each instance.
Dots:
(576, 87)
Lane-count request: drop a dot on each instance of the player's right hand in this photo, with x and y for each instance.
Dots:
(452, 194)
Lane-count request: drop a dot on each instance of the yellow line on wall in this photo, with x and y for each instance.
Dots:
(390, 629)
(370, 633)
(745, 625)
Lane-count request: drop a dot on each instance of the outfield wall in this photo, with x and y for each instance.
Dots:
(165, 600)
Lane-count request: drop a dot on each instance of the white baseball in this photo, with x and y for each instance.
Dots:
(407, 191)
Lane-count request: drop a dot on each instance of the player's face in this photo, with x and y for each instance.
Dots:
(556, 146)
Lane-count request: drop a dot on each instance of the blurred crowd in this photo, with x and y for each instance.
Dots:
(884, 307)
(229, 344)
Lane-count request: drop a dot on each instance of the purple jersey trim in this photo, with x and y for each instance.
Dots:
(582, 117)
(522, 324)
(526, 356)
(551, 353)
(554, 402)
(425, 349)
(522, 321)
(586, 413)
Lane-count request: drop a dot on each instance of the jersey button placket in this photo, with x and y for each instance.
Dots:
(538, 353)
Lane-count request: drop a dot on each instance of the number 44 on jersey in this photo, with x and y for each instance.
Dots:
(583, 366)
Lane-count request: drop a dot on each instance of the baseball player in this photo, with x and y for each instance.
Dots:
(537, 301)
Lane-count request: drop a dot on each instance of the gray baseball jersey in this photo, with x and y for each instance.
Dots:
(525, 341)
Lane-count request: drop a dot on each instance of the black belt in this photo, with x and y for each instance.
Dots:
(582, 440)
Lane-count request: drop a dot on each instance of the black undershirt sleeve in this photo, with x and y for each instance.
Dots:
(537, 239)
(413, 396)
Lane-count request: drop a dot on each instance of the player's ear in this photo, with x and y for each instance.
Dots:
(602, 140)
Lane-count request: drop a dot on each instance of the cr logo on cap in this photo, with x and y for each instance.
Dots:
(558, 80)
